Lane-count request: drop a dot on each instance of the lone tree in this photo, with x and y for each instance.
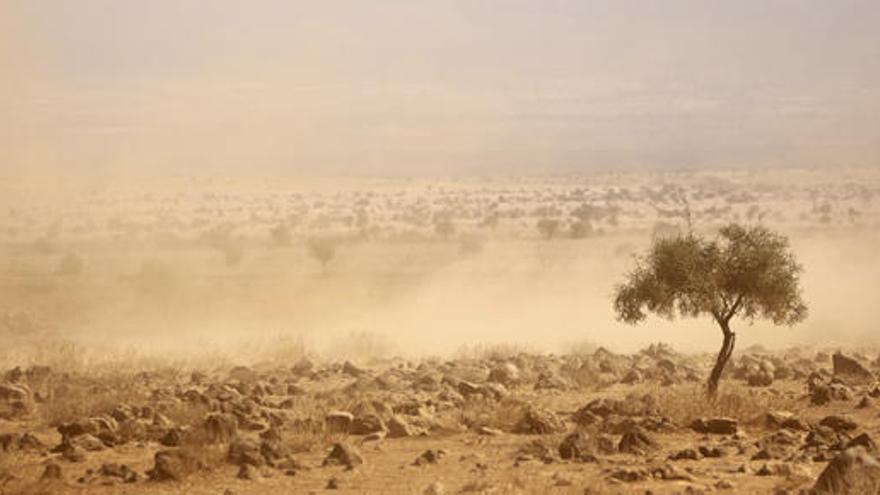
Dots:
(745, 272)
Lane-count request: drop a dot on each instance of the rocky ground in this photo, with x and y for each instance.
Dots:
(597, 423)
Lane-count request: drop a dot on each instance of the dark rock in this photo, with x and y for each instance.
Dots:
(637, 442)
(429, 457)
(850, 370)
(245, 451)
(367, 424)
(854, 471)
(863, 440)
(839, 423)
(173, 465)
(339, 421)
(716, 426)
(343, 454)
(52, 471)
(578, 446)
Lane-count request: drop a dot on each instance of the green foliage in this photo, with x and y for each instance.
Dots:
(748, 272)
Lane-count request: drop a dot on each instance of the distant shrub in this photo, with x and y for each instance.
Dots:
(444, 227)
(321, 249)
(580, 229)
(281, 235)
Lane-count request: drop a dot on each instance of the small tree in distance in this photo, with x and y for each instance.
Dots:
(548, 227)
(322, 250)
(746, 272)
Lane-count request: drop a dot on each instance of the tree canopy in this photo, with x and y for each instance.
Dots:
(748, 272)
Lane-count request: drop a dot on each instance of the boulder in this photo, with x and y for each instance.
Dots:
(367, 424)
(854, 471)
(173, 465)
(343, 454)
(850, 370)
(579, 447)
(339, 421)
(536, 421)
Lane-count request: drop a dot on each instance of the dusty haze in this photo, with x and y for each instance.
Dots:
(169, 136)
(435, 87)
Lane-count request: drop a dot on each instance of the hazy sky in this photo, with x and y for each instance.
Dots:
(389, 86)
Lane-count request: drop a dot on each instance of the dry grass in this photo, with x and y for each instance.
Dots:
(94, 397)
(685, 403)
(502, 415)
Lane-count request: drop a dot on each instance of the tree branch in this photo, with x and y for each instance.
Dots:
(734, 308)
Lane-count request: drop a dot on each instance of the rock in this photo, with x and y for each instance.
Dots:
(173, 465)
(839, 422)
(52, 471)
(343, 454)
(506, 374)
(73, 453)
(429, 457)
(686, 455)
(579, 447)
(16, 401)
(823, 394)
(243, 374)
(399, 427)
(245, 451)
(339, 421)
(668, 472)
(536, 421)
(435, 488)
(221, 427)
(549, 381)
(303, 367)
(632, 377)
(351, 370)
(489, 431)
(711, 452)
(16, 442)
(367, 424)
(850, 370)
(863, 440)
(120, 471)
(716, 426)
(784, 419)
(826, 438)
(636, 441)
(88, 442)
(853, 471)
(248, 472)
(630, 475)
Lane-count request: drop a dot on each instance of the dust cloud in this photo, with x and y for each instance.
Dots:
(178, 267)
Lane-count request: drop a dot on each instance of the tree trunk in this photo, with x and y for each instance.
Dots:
(723, 357)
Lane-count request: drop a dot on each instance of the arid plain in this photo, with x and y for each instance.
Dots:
(264, 335)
